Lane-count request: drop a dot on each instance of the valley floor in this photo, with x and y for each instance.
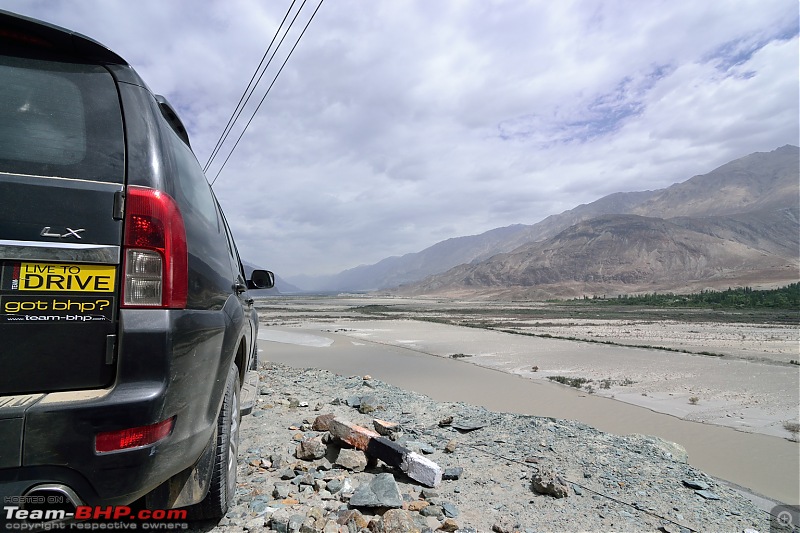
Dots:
(635, 356)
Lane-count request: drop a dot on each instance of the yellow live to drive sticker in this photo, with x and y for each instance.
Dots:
(56, 277)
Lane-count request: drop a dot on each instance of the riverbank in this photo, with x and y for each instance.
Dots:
(294, 476)
(757, 395)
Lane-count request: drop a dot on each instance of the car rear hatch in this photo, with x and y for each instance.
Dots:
(62, 171)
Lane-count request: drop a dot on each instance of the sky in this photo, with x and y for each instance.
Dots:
(397, 124)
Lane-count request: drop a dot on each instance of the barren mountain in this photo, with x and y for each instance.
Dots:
(615, 254)
(394, 271)
(757, 182)
(754, 188)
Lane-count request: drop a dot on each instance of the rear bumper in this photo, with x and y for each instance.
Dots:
(169, 364)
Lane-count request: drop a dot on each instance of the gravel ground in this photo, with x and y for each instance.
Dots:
(603, 482)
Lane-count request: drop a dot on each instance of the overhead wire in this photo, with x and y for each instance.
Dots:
(251, 87)
(252, 116)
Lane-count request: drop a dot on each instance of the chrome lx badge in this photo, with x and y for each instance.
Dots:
(70, 232)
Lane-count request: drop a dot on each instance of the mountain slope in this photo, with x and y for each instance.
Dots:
(628, 253)
(758, 182)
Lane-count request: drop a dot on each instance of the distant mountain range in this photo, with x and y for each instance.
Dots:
(735, 225)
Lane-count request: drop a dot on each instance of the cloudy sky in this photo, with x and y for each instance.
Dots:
(399, 123)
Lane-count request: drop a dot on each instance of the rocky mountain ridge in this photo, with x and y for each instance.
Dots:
(615, 254)
(755, 188)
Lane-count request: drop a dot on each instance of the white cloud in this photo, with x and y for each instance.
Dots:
(399, 124)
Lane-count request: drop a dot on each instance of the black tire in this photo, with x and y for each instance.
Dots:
(254, 360)
(223, 478)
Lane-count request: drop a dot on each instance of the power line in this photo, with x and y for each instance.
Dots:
(268, 89)
(245, 95)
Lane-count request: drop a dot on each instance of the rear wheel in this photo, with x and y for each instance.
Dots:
(223, 478)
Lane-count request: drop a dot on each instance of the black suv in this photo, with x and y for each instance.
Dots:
(127, 334)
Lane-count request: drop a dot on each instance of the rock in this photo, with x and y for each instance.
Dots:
(255, 524)
(295, 522)
(382, 491)
(368, 404)
(385, 428)
(433, 510)
(331, 527)
(696, 484)
(419, 446)
(429, 494)
(449, 510)
(279, 521)
(323, 422)
(399, 521)
(287, 473)
(672, 450)
(334, 485)
(352, 516)
(446, 421)
(258, 505)
(281, 490)
(311, 449)
(545, 481)
(417, 505)
(449, 525)
(466, 426)
(277, 461)
(353, 401)
(707, 494)
(451, 445)
(350, 459)
(453, 472)
(347, 489)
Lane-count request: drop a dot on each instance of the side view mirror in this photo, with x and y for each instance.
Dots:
(261, 279)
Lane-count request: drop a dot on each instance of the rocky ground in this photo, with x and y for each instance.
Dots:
(503, 472)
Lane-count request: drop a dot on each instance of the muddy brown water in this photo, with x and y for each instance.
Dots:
(763, 464)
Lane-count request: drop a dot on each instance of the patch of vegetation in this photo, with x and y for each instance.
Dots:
(607, 383)
(694, 400)
(373, 309)
(794, 362)
(791, 426)
(611, 343)
(572, 382)
(459, 355)
(740, 298)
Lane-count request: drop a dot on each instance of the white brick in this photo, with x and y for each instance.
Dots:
(421, 469)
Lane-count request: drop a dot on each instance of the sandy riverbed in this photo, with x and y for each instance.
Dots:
(750, 390)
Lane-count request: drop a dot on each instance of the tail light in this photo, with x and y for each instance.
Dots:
(133, 437)
(155, 258)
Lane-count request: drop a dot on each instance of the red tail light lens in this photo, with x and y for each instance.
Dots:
(111, 441)
(155, 258)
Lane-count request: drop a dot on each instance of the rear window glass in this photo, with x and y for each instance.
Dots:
(59, 119)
